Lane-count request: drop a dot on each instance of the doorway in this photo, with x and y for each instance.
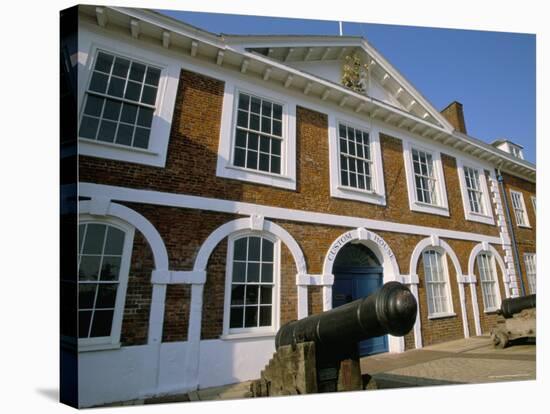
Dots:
(358, 273)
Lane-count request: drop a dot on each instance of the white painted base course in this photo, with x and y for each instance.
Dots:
(125, 374)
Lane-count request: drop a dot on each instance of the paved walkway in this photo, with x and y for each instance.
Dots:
(465, 361)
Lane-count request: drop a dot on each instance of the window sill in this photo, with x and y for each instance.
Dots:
(442, 315)
(247, 335)
(255, 176)
(524, 226)
(480, 218)
(430, 208)
(491, 311)
(119, 152)
(350, 193)
(98, 347)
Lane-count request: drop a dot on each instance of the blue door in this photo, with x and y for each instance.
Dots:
(351, 283)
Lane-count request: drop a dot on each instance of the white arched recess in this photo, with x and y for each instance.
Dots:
(485, 247)
(384, 255)
(103, 207)
(434, 242)
(253, 223)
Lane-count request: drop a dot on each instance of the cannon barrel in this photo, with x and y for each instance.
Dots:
(511, 306)
(390, 310)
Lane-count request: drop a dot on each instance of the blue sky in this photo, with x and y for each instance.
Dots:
(491, 73)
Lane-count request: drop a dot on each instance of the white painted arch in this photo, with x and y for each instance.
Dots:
(434, 242)
(247, 224)
(487, 248)
(383, 253)
(253, 223)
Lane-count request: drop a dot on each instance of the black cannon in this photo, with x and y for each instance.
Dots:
(390, 310)
(511, 306)
(320, 353)
(520, 320)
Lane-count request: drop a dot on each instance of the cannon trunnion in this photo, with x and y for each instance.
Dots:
(320, 353)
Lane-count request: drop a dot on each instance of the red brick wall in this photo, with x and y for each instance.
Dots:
(526, 238)
(192, 155)
(190, 169)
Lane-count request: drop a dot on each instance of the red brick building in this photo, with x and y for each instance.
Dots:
(230, 184)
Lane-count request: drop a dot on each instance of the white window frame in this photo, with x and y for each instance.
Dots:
(516, 211)
(375, 196)
(225, 168)
(494, 274)
(236, 333)
(531, 273)
(442, 208)
(445, 267)
(487, 215)
(112, 341)
(534, 202)
(156, 153)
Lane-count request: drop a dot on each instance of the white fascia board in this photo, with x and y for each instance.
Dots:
(159, 198)
(405, 84)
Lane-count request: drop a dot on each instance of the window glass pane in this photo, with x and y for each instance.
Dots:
(239, 272)
(254, 122)
(124, 134)
(255, 105)
(88, 127)
(110, 267)
(153, 76)
(252, 160)
(93, 105)
(101, 324)
(251, 316)
(149, 95)
(141, 138)
(89, 267)
(277, 128)
(95, 236)
(275, 147)
(237, 295)
(244, 101)
(264, 143)
(99, 82)
(106, 295)
(242, 119)
(137, 72)
(266, 295)
(103, 62)
(265, 315)
(254, 248)
(266, 125)
(267, 273)
(264, 162)
(107, 131)
(112, 109)
(240, 140)
(252, 294)
(145, 117)
(266, 108)
(253, 272)
(86, 295)
(239, 250)
(84, 323)
(277, 112)
(133, 90)
(253, 141)
(129, 113)
(267, 250)
(276, 165)
(116, 87)
(236, 318)
(121, 67)
(81, 231)
(240, 156)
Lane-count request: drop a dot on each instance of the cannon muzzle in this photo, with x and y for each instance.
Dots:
(511, 306)
(390, 310)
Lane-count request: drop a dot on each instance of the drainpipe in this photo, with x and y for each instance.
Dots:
(500, 180)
